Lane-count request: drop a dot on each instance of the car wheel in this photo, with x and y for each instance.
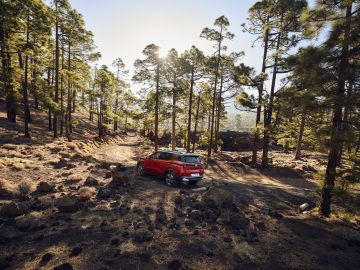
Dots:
(140, 169)
(170, 179)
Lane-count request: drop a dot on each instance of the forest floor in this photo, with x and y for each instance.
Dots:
(60, 208)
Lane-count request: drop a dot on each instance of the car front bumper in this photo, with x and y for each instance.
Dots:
(187, 179)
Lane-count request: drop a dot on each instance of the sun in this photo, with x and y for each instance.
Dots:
(163, 53)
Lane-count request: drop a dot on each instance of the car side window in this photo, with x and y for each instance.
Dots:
(155, 156)
(165, 156)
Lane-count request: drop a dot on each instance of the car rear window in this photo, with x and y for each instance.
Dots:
(190, 159)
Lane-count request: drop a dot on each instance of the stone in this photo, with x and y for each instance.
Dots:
(189, 222)
(195, 214)
(304, 207)
(67, 204)
(44, 187)
(64, 266)
(174, 265)
(115, 241)
(91, 181)
(238, 221)
(218, 197)
(13, 209)
(142, 236)
(76, 251)
(227, 239)
(28, 223)
(104, 193)
(261, 225)
(47, 257)
(161, 216)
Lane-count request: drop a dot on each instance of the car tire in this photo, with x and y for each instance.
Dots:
(140, 169)
(170, 178)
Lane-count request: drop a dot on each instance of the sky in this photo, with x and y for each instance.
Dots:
(123, 28)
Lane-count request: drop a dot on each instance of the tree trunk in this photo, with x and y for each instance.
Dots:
(157, 106)
(214, 98)
(196, 122)
(70, 91)
(116, 111)
(259, 105)
(335, 137)
(190, 108)
(62, 91)
(173, 135)
(49, 112)
(267, 120)
(300, 139)
(56, 69)
(217, 130)
(345, 125)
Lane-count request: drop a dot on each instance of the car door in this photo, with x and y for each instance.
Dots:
(161, 163)
(150, 163)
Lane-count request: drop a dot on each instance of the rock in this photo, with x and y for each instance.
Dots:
(195, 214)
(261, 225)
(142, 236)
(218, 197)
(104, 193)
(13, 209)
(44, 187)
(67, 204)
(196, 232)
(227, 239)
(28, 223)
(174, 265)
(161, 216)
(47, 257)
(237, 221)
(75, 251)
(91, 181)
(64, 163)
(189, 222)
(38, 205)
(303, 207)
(309, 168)
(115, 241)
(64, 266)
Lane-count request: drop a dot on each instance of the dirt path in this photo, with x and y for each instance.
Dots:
(275, 186)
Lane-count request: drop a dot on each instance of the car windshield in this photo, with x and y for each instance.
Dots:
(190, 159)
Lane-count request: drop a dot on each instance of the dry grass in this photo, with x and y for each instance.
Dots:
(127, 247)
(8, 187)
(76, 177)
(26, 187)
(244, 251)
(85, 193)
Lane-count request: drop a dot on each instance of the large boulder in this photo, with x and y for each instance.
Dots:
(217, 197)
(67, 204)
(44, 187)
(13, 209)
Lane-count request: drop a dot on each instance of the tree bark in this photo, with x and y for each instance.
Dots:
(267, 120)
(56, 69)
(62, 91)
(335, 138)
(196, 122)
(259, 105)
(190, 109)
(173, 136)
(300, 139)
(217, 130)
(157, 105)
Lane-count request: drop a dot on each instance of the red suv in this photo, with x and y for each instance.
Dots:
(173, 165)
